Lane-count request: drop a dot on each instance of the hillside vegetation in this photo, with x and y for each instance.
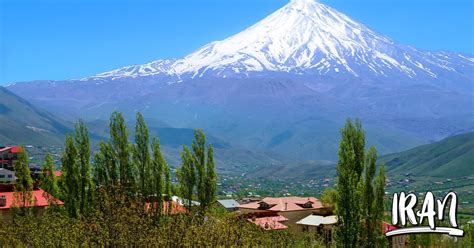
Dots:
(450, 157)
(21, 122)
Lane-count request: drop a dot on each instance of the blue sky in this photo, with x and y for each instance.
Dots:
(67, 39)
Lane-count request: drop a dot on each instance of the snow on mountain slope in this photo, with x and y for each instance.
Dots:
(305, 37)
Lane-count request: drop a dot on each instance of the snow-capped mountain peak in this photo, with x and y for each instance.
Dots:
(303, 37)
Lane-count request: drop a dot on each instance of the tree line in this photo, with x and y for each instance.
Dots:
(136, 171)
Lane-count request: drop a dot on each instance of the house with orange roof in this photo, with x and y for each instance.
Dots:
(41, 200)
(292, 208)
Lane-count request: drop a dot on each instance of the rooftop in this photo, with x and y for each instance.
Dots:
(229, 203)
(40, 199)
(317, 220)
(280, 204)
(270, 222)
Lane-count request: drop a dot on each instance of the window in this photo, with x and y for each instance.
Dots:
(2, 176)
(10, 176)
(264, 205)
(308, 205)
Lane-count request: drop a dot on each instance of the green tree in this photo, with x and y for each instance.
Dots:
(199, 158)
(349, 170)
(23, 188)
(168, 186)
(157, 170)
(48, 180)
(328, 197)
(105, 165)
(121, 147)
(206, 179)
(210, 183)
(141, 153)
(187, 176)
(379, 207)
(71, 178)
(81, 138)
(369, 236)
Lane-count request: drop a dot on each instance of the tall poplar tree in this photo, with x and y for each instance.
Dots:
(349, 169)
(368, 206)
(199, 157)
(81, 138)
(23, 188)
(168, 186)
(141, 153)
(379, 206)
(157, 178)
(71, 178)
(121, 147)
(48, 180)
(187, 176)
(210, 184)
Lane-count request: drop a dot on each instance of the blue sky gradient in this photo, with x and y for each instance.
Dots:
(69, 39)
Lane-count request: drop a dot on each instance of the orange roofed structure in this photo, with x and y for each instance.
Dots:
(270, 222)
(292, 208)
(41, 199)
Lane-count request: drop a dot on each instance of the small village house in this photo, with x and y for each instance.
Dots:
(292, 208)
(40, 201)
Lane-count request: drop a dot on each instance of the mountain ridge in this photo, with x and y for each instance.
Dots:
(306, 37)
(290, 108)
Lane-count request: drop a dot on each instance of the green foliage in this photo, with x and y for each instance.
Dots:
(447, 158)
(197, 173)
(199, 158)
(130, 226)
(349, 170)
(121, 149)
(24, 184)
(71, 178)
(141, 154)
(210, 183)
(48, 180)
(82, 143)
(157, 172)
(359, 199)
(369, 232)
(328, 197)
(187, 176)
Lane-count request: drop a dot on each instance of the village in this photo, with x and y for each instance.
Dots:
(300, 214)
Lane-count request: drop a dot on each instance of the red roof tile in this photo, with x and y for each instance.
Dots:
(270, 223)
(386, 227)
(280, 204)
(40, 199)
(13, 149)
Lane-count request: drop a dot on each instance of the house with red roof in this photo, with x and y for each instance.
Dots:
(8, 154)
(397, 241)
(291, 208)
(40, 200)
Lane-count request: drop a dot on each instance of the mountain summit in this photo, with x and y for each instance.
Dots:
(286, 85)
(307, 37)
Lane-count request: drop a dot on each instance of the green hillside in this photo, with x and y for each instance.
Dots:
(23, 123)
(450, 157)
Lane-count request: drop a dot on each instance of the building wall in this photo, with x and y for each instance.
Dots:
(294, 216)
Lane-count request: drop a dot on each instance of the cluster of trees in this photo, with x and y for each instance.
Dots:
(359, 195)
(134, 172)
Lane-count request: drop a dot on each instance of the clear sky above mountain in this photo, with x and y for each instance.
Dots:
(55, 39)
